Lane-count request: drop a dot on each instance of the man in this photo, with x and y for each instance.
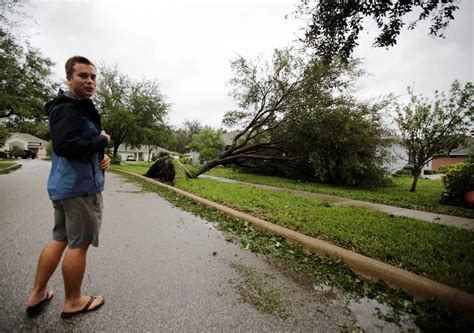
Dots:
(75, 184)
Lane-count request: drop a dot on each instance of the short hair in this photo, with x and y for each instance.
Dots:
(75, 60)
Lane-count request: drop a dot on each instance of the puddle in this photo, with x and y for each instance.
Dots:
(367, 314)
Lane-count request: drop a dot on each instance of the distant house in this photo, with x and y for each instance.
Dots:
(229, 136)
(456, 156)
(400, 157)
(25, 141)
(140, 153)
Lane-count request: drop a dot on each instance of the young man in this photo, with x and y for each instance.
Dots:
(75, 184)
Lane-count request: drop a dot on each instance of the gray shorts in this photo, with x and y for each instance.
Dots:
(77, 220)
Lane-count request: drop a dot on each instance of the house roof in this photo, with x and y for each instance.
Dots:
(123, 148)
(464, 150)
(30, 138)
(229, 136)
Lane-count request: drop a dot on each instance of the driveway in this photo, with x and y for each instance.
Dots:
(159, 268)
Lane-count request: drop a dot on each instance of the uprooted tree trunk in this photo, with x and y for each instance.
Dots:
(163, 170)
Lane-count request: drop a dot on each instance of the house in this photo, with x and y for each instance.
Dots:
(456, 156)
(229, 136)
(140, 153)
(25, 141)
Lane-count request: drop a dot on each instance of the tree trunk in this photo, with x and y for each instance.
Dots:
(415, 181)
(206, 167)
(149, 153)
(115, 150)
(163, 169)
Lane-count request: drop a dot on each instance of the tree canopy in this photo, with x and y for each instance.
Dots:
(335, 25)
(296, 118)
(131, 110)
(180, 138)
(25, 77)
(25, 84)
(435, 127)
(208, 142)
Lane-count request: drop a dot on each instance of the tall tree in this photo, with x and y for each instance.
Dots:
(180, 138)
(263, 94)
(335, 25)
(436, 127)
(25, 83)
(128, 107)
(155, 137)
(208, 143)
(280, 104)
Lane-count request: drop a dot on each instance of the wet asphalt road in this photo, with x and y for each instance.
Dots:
(159, 268)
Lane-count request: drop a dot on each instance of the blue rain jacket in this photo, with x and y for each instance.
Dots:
(77, 148)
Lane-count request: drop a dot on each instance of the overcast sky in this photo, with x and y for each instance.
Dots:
(186, 46)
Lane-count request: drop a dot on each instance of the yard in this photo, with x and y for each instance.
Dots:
(439, 252)
(4, 165)
(425, 198)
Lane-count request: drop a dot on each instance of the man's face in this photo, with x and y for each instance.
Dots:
(82, 81)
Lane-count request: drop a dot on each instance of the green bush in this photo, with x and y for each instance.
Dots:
(15, 152)
(116, 160)
(428, 172)
(408, 167)
(163, 154)
(49, 149)
(402, 173)
(458, 179)
(186, 160)
(3, 154)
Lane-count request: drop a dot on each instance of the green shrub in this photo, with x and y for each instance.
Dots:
(163, 154)
(186, 160)
(459, 179)
(408, 167)
(402, 173)
(15, 152)
(49, 149)
(3, 154)
(428, 172)
(116, 160)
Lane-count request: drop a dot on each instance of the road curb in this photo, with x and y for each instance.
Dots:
(416, 285)
(11, 168)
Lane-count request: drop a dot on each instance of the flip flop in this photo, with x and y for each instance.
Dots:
(67, 315)
(36, 309)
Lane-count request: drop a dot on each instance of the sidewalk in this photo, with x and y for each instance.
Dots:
(454, 221)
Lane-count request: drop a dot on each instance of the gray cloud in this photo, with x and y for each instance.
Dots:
(187, 45)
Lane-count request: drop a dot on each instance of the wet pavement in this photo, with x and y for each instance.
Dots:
(454, 221)
(159, 268)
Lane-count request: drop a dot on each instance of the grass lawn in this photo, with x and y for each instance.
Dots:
(137, 167)
(439, 252)
(426, 197)
(4, 165)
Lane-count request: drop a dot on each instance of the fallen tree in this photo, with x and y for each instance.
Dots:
(268, 95)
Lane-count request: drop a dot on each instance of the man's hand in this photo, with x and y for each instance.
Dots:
(105, 163)
(105, 135)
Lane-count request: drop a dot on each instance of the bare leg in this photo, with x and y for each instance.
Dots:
(74, 266)
(47, 263)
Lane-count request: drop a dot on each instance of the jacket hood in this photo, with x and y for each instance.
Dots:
(61, 98)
